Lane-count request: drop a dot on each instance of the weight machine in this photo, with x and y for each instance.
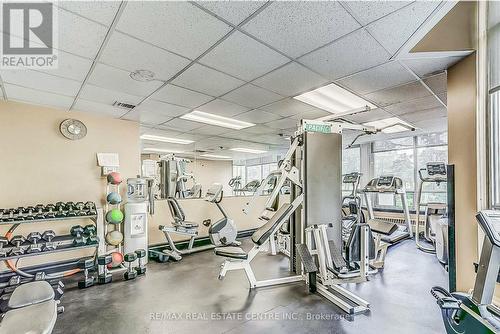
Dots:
(315, 219)
(174, 178)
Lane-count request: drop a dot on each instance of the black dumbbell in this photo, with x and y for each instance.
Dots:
(34, 238)
(90, 232)
(50, 208)
(130, 273)
(69, 205)
(141, 268)
(60, 213)
(18, 214)
(3, 242)
(39, 214)
(28, 213)
(80, 209)
(16, 241)
(90, 208)
(77, 232)
(86, 265)
(71, 212)
(104, 276)
(48, 236)
(8, 215)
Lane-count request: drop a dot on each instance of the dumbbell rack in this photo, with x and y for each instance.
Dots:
(63, 242)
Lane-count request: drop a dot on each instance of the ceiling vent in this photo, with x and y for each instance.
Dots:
(123, 105)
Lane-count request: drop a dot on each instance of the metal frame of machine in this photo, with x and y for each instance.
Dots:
(305, 221)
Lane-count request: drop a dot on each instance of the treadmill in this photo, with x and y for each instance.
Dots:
(391, 232)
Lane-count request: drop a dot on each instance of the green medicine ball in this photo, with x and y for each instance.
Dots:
(114, 216)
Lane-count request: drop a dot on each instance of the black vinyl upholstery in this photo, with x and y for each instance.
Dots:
(232, 252)
(262, 234)
(382, 227)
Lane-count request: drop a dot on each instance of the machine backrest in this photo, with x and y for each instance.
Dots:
(176, 209)
(260, 236)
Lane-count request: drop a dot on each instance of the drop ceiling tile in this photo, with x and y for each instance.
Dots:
(437, 83)
(426, 66)
(178, 124)
(147, 117)
(428, 102)
(251, 96)
(257, 117)
(352, 53)
(299, 27)
(173, 25)
(284, 123)
(131, 54)
(288, 107)
(107, 96)
(291, 79)
(98, 108)
(181, 96)
(369, 116)
(232, 11)
(112, 78)
(376, 78)
(424, 115)
(41, 81)
(70, 66)
(239, 135)
(32, 96)
(239, 49)
(272, 140)
(78, 35)
(167, 109)
(211, 130)
(206, 80)
(311, 114)
(100, 11)
(259, 129)
(368, 11)
(407, 20)
(398, 94)
(222, 108)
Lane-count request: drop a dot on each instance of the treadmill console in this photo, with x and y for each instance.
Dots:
(436, 168)
(385, 181)
(351, 177)
(489, 220)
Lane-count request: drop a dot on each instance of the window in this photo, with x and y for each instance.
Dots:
(239, 170)
(351, 160)
(494, 100)
(254, 173)
(403, 157)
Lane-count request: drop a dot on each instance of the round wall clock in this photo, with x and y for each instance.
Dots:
(73, 129)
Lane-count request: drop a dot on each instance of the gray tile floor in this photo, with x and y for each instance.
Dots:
(162, 301)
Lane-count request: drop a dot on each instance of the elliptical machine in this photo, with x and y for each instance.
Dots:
(464, 313)
(435, 220)
(223, 232)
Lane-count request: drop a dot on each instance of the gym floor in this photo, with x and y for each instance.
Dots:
(169, 293)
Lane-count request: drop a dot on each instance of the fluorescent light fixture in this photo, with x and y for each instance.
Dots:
(167, 139)
(247, 150)
(203, 117)
(391, 125)
(215, 156)
(334, 99)
(162, 150)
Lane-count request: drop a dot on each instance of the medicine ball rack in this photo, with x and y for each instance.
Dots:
(63, 242)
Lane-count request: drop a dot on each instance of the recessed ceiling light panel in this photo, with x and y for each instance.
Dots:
(391, 125)
(247, 150)
(161, 150)
(203, 117)
(334, 99)
(215, 156)
(166, 139)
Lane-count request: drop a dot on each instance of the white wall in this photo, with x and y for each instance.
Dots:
(208, 172)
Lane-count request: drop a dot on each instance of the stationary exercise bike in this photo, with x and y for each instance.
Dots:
(475, 314)
(221, 233)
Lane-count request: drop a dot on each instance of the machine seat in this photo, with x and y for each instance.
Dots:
(231, 252)
(30, 294)
(34, 319)
(382, 226)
